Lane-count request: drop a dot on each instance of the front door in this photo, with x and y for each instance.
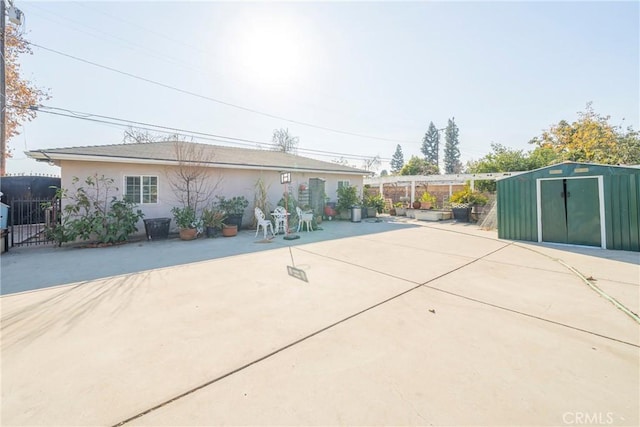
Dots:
(570, 210)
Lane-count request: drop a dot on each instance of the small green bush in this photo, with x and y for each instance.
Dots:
(467, 196)
(92, 214)
(374, 201)
(347, 197)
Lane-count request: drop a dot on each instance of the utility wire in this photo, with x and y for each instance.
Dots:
(208, 98)
(109, 120)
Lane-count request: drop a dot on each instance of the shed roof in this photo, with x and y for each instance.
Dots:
(165, 152)
(574, 169)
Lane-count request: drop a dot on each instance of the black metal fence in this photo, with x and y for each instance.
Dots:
(28, 220)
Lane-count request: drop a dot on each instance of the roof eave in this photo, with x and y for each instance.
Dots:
(56, 158)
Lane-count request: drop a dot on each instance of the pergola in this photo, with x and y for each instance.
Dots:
(451, 180)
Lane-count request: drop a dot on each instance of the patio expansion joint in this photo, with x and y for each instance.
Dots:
(365, 310)
(311, 335)
(634, 316)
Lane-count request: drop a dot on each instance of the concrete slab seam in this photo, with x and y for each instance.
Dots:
(595, 288)
(425, 284)
(602, 293)
(298, 341)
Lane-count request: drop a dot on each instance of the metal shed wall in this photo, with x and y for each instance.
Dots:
(517, 202)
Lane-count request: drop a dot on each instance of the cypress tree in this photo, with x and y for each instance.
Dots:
(431, 145)
(451, 151)
(397, 161)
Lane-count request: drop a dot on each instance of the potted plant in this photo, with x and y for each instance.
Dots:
(190, 225)
(374, 205)
(229, 230)
(401, 208)
(462, 201)
(347, 198)
(233, 208)
(427, 200)
(212, 220)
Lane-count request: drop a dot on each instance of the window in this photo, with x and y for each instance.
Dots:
(141, 189)
(343, 184)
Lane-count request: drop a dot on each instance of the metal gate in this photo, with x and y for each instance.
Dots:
(29, 219)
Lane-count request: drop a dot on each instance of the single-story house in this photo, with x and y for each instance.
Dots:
(144, 170)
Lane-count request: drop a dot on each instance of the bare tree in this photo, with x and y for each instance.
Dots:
(371, 164)
(133, 135)
(341, 161)
(284, 142)
(193, 181)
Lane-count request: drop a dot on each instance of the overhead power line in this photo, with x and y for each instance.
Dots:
(243, 142)
(208, 98)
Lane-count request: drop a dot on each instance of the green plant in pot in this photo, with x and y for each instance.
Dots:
(188, 222)
(374, 204)
(233, 208)
(462, 201)
(347, 197)
(213, 220)
(427, 200)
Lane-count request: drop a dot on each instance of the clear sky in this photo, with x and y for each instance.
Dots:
(504, 70)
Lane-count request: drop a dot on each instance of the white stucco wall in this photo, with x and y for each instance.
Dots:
(232, 182)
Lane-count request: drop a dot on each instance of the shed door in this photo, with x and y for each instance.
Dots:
(571, 211)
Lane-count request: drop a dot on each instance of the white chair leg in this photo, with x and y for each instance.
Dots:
(257, 229)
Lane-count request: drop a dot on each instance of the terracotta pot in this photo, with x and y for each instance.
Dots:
(229, 230)
(416, 205)
(425, 205)
(188, 233)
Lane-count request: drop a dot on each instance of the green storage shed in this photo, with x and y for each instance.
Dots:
(572, 203)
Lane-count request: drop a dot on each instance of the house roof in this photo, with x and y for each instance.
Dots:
(165, 153)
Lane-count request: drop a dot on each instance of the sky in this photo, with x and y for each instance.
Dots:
(353, 79)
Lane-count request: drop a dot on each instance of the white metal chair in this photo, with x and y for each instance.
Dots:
(304, 217)
(263, 222)
(280, 219)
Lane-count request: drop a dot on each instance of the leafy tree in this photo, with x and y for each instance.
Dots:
(397, 160)
(504, 159)
(384, 172)
(500, 159)
(591, 139)
(20, 92)
(418, 166)
(431, 145)
(285, 142)
(451, 151)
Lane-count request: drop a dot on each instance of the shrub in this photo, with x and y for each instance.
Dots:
(186, 217)
(233, 206)
(375, 201)
(213, 218)
(91, 213)
(428, 198)
(467, 196)
(347, 197)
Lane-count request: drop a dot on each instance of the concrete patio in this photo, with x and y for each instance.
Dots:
(400, 324)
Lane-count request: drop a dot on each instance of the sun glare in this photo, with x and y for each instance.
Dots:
(271, 54)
